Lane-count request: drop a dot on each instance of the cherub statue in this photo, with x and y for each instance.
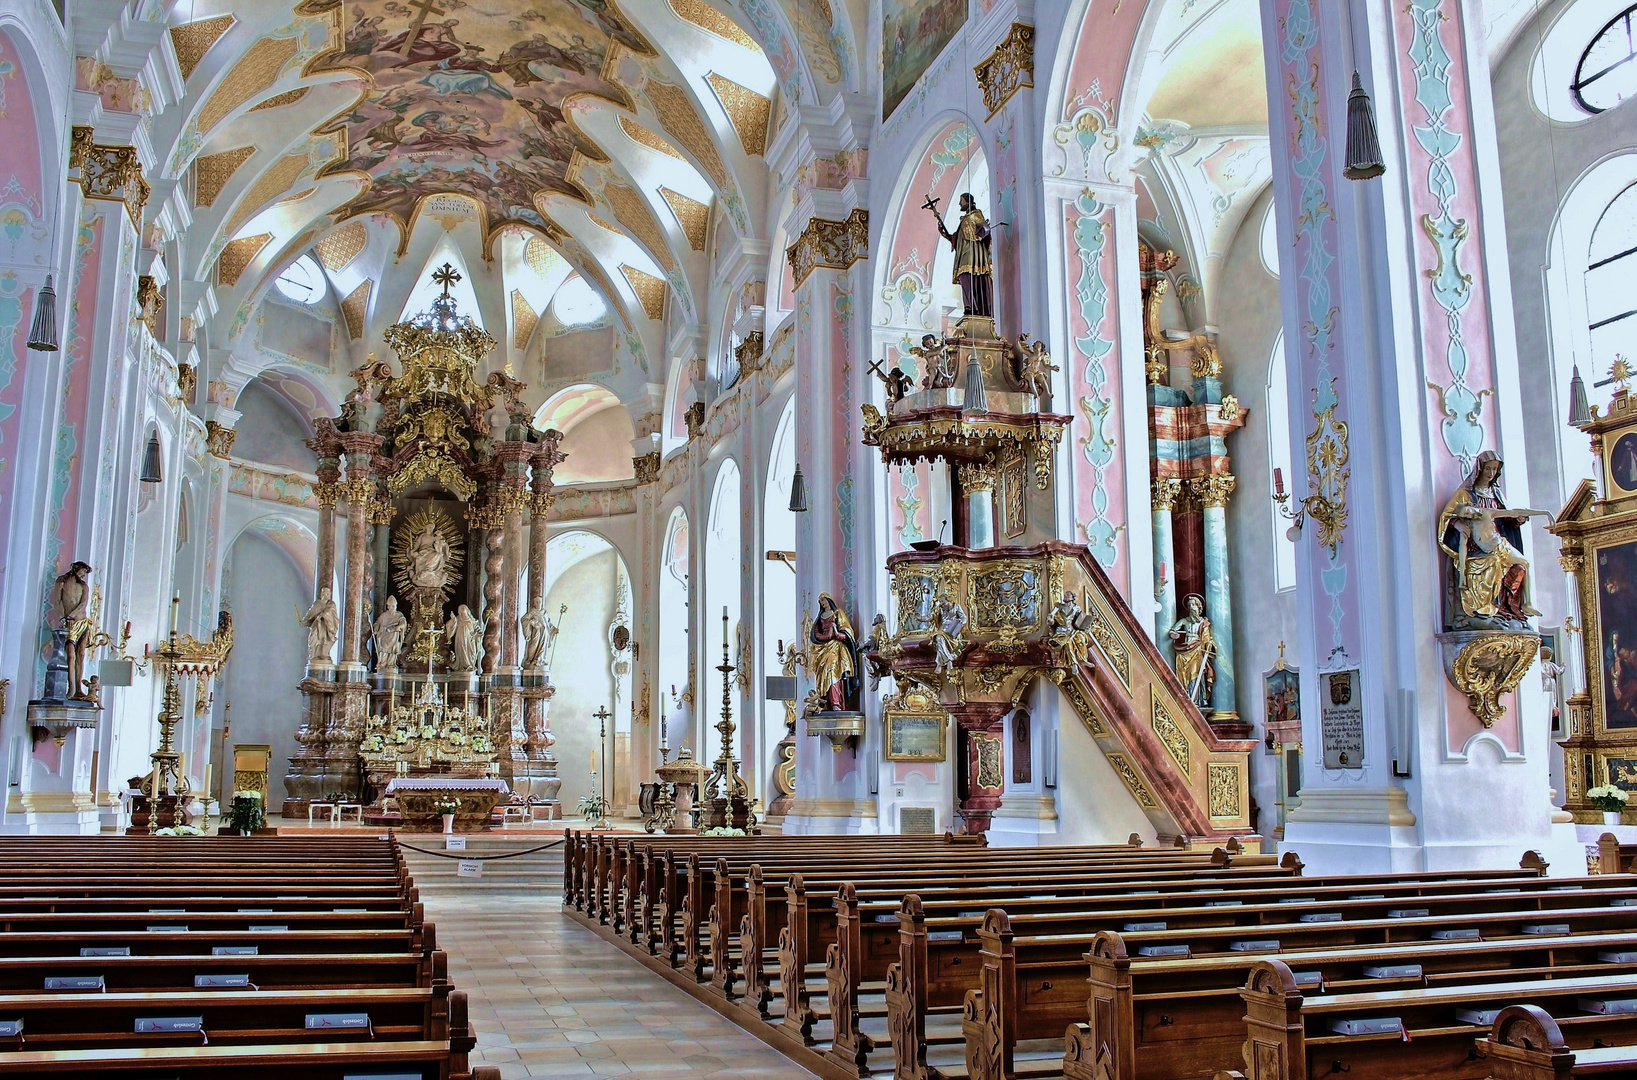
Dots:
(1034, 367)
(877, 640)
(938, 365)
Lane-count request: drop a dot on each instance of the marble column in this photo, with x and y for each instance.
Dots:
(978, 488)
(512, 590)
(359, 492)
(329, 472)
(494, 565)
(1213, 493)
(1165, 492)
(381, 517)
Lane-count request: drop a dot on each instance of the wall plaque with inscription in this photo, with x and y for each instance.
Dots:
(1341, 720)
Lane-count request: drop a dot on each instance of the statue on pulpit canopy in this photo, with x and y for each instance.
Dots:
(974, 267)
(1484, 541)
(834, 656)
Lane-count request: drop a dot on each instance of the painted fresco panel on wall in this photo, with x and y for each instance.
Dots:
(913, 33)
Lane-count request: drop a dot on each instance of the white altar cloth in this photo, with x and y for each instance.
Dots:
(446, 783)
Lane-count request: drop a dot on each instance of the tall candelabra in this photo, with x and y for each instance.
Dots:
(730, 797)
(167, 788)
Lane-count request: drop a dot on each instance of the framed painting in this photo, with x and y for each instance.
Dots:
(913, 33)
(915, 726)
(1616, 583)
(1282, 703)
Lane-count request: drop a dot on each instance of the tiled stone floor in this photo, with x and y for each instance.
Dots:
(550, 999)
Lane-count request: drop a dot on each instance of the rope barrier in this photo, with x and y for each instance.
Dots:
(480, 858)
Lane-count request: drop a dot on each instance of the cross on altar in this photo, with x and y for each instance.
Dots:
(423, 9)
(446, 275)
(434, 632)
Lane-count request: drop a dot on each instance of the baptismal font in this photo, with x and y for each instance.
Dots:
(445, 510)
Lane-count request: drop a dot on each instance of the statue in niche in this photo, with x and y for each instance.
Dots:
(974, 266)
(72, 597)
(1484, 542)
(948, 641)
(429, 556)
(937, 362)
(833, 654)
(389, 630)
(1068, 635)
(1195, 646)
(465, 633)
(323, 623)
(538, 633)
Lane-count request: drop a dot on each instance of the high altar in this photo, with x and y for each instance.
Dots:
(443, 668)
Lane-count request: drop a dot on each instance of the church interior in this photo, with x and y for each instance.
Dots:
(586, 538)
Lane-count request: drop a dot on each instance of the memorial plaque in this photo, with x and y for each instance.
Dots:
(915, 738)
(1341, 720)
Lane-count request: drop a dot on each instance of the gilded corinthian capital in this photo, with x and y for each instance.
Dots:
(1165, 492)
(1212, 490)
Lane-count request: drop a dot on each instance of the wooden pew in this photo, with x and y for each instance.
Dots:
(1525, 1043)
(1613, 857)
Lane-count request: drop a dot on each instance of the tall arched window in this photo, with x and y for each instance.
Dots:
(1607, 72)
(1278, 414)
(1611, 267)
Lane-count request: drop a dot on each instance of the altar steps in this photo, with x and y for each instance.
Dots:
(436, 876)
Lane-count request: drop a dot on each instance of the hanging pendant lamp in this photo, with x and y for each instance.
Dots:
(152, 470)
(1363, 147)
(1580, 413)
(42, 333)
(798, 492)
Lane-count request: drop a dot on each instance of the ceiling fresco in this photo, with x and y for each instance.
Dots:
(467, 98)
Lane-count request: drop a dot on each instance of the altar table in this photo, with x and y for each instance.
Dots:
(416, 795)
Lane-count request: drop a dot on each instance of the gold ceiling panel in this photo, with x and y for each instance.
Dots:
(192, 40)
(211, 173)
(238, 255)
(342, 246)
(356, 307)
(746, 108)
(271, 185)
(693, 215)
(642, 136)
(289, 97)
(541, 256)
(524, 320)
(650, 290)
(256, 70)
(712, 21)
(677, 114)
(632, 211)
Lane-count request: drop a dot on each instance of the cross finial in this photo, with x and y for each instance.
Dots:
(446, 275)
(1281, 650)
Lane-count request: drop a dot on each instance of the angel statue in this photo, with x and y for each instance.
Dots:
(323, 623)
(429, 557)
(937, 363)
(465, 639)
(834, 658)
(1195, 645)
(538, 633)
(1484, 541)
(389, 630)
(1034, 367)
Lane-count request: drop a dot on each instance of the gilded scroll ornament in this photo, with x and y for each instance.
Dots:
(990, 756)
(219, 438)
(1327, 457)
(1222, 790)
(1133, 782)
(1008, 69)
(1170, 735)
(1490, 666)
(1082, 707)
(833, 244)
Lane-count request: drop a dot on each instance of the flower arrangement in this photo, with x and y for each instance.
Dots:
(179, 830)
(446, 805)
(724, 831)
(1608, 798)
(338, 797)
(591, 806)
(246, 814)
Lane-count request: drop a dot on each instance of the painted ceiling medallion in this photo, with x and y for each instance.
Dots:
(470, 100)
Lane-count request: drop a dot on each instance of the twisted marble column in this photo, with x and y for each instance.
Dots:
(1212, 493)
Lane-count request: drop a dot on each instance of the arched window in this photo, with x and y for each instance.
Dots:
(1611, 267)
(1278, 414)
(1607, 72)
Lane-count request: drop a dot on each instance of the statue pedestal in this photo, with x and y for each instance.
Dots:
(55, 796)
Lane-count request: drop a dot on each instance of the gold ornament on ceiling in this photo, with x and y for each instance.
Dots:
(355, 308)
(650, 290)
(471, 100)
(192, 40)
(212, 172)
(238, 255)
(269, 186)
(712, 21)
(691, 214)
(643, 137)
(541, 257)
(256, 70)
(342, 246)
(631, 210)
(678, 116)
(524, 320)
(289, 97)
(746, 108)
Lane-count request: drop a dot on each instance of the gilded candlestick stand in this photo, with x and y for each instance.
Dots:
(730, 797)
(165, 791)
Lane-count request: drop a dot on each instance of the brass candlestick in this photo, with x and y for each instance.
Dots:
(730, 797)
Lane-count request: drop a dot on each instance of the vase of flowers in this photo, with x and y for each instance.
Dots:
(593, 809)
(1609, 799)
(448, 808)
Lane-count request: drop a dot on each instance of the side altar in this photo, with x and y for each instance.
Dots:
(438, 486)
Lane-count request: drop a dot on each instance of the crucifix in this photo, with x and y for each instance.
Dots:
(602, 714)
(423, 8)
(446, 275)
(434, 632)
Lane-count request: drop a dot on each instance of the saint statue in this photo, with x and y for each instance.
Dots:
(947, 642)
(835, 667)
(390, 627)
(72, 597)
(1484, 541)
(538, 633)
(1550, 671)
(1067, 636)
(878, 639)
(1195, 646)
(323, 622)
(973, 265)
(429, 557)
(465, 639)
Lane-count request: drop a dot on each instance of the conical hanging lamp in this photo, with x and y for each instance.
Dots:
(152, 468)
(42, 333)
(798, 492)
(1580, 413)
(1363, 147)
